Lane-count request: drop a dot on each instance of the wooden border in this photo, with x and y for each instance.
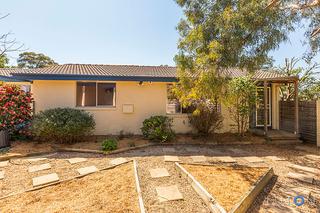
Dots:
(252, 194)
(213, 205)
(141, 205)
(246, 200)
(62, 181)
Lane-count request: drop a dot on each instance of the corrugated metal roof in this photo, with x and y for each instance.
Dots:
(117, 72)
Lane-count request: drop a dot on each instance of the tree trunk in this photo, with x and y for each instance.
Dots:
(4, 139)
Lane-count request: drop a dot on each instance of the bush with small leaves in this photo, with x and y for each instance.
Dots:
(206, 119)
(109, 144)
(64, 125)
(158, 128)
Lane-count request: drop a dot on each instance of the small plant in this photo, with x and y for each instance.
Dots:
(64, 125)
(206, 118)
(158, 128)
(109, 144)
(241, 97)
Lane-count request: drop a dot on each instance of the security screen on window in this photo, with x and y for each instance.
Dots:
(90, 94)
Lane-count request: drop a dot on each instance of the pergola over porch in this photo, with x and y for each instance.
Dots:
(270, 78)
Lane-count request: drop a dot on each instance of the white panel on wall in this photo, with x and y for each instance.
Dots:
(127, 108)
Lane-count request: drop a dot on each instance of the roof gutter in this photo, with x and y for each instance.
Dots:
(32, 77)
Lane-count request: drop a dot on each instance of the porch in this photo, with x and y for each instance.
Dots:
(266, 119)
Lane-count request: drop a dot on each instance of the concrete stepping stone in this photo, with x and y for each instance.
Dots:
(305, 169)
(36, 159)
(274, 158)
(4, 163)
(118, 161)
(199, 158)
(159, 172)
(41, 167)
(169, 158)
(45, 179)
(225, 159)
(168, 193)
(1, 175)
(313, 157)
(301, 177)
(253, 159)
(169, 149)
(300, 191)
(77, 160)
(87, 170)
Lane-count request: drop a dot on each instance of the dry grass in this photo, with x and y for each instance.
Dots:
(226, 184)
(25, 147)
(107, 191)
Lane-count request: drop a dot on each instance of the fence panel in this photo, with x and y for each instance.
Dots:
(307, 119)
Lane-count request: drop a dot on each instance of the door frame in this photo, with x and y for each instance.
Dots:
(270, 107)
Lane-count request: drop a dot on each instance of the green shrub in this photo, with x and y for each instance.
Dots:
(109, 144)
(64, 125)
(158, 128)
(206, 119)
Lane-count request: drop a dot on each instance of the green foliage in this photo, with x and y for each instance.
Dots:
(216, 36)
(34, 60)
(109, 144)
(15, 110)
(206, 119)
(158, 128)
(309, 84)
(240, 99)
(64, 125)
(4, 60)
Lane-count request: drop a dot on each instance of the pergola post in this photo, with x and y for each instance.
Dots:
(265, 90)
(296, 108)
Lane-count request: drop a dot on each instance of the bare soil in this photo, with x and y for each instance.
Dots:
(94, 143)
(227, 184)
(26, 147)
(106, 191)
(277, 197)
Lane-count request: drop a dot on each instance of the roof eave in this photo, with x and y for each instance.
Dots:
(279, 79)
(33, 77)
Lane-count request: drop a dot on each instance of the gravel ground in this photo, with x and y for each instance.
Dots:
(98, 193)
(277, 197)
(191, 201)
(17, 178)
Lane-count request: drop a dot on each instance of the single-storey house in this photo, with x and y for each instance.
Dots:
(121, 96)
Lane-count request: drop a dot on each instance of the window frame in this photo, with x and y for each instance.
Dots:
(98, 106)
(180, 108)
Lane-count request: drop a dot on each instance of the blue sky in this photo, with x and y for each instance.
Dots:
(105, 31)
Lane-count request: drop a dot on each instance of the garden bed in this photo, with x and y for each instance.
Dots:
(111, 190)
(229, 185)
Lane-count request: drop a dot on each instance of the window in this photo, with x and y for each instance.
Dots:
(173, 104)
(91, 94)
(175, 107)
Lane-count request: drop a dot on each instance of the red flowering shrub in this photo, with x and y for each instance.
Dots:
(15, 108)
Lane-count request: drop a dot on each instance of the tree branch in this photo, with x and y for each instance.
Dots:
(315, 32)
